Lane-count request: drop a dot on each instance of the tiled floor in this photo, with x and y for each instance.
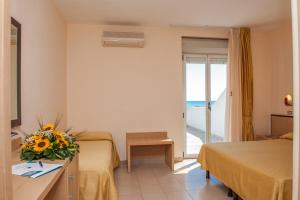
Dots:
(157, 182)
(195, 138)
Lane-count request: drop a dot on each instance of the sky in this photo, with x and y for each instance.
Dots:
(195, 81)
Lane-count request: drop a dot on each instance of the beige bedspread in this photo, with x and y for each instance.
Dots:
(97, 159)
(259, 170)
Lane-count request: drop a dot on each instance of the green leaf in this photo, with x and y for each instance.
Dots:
(47, 152)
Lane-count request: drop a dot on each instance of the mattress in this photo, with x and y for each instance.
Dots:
(256, 170)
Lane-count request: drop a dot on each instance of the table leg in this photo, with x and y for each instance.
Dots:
(169, 156)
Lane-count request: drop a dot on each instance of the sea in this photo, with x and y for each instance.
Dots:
(190, 104)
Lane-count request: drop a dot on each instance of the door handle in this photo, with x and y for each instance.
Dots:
(209, 106)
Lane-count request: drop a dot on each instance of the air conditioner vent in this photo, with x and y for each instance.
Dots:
(123, 39)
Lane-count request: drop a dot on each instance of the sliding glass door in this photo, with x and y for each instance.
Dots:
(218, 97)
(196, 103)
(205, 100)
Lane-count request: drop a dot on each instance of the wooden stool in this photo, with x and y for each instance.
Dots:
(146, 144)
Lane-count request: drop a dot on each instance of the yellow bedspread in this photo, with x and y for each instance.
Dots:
(97, 159)
(257, 170)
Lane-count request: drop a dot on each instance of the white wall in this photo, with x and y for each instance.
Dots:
(128, 89)
(282, 74)
(43, 61)
(261, 81)
(272, 72)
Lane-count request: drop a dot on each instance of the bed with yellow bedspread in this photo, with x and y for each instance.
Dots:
(97, 159)
(257, 170)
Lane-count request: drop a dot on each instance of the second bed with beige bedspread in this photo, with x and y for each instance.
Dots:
(257, 170)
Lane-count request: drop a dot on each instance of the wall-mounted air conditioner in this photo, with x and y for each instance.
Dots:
(123, 39)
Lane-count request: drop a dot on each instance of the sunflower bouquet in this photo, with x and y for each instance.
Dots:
(50, 143)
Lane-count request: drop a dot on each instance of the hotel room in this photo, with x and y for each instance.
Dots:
(138, 100)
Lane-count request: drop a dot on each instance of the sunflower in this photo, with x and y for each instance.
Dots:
(48, 127)
(58, 134)
(41, 144)
(63, 142)
(60, 139)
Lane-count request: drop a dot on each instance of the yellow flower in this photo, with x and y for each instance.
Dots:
(36, 137)
(25, 146)
(48, 127)
(60, 139)
(41, 145)
(58, 134)
(63, 141)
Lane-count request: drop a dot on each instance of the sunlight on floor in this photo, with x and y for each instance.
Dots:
(186, 166)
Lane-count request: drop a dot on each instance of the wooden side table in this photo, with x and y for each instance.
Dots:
(147, 144)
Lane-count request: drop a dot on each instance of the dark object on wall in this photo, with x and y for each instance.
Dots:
(15, 73)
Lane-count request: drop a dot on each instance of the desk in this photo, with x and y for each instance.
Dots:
(142, 145)
(60, 184)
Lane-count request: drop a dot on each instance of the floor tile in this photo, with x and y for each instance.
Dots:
(154, 189)
(209, 192)
(128, 189)
(148, 181)
(131, 197)
(156, 181)
(154, 196)
(178, 196)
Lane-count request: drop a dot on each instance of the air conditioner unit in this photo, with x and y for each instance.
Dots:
(123, 39)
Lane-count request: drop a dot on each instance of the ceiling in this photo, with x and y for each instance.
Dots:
(219, 13)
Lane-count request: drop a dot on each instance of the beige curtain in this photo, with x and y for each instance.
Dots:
(246, 84)
(234, 107)
(240, 105)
